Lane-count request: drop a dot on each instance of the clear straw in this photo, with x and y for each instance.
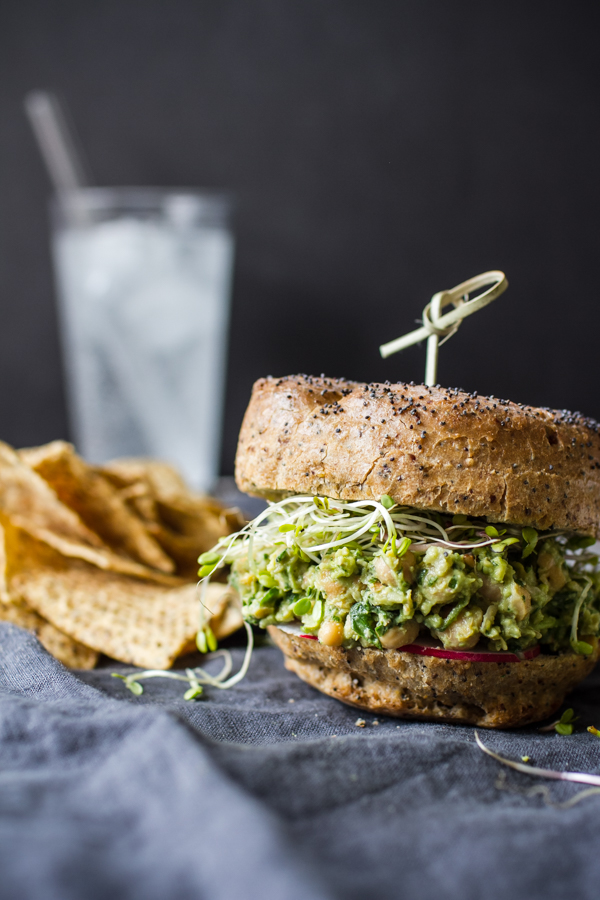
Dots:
(56, 141)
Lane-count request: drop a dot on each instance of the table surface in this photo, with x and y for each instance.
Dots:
(270, 790)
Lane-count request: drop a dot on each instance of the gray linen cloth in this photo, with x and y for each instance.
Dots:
(270, 790)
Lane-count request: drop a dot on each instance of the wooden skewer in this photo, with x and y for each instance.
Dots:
(436, 325)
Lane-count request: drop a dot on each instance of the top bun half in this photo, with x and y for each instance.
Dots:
(430, 448)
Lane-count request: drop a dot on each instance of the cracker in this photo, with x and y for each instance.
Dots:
(26, 497)
(147, 625)
(97, 502)
(70, 652)
(28, 502)
(184, 523)
(103, 559)
(162, 479)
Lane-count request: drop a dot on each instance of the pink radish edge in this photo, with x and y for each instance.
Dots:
(470, 655)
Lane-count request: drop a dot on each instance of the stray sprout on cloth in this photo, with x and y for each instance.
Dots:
(543, 791)
(579, 777)
(198, 676)
(436, 325)
(564, 725)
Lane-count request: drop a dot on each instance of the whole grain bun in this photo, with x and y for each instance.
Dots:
(430, 448)
(397, 683)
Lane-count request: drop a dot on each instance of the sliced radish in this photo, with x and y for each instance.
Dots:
(497, 656)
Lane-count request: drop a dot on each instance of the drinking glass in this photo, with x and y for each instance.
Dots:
(143, 280)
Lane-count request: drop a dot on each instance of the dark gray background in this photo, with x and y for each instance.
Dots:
(380, 151)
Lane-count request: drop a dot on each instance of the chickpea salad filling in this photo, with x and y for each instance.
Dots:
(375, 574)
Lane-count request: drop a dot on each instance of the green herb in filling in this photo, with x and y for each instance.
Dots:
(377, 575)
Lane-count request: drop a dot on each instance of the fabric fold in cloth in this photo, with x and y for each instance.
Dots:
(99, 799)
(271, 790)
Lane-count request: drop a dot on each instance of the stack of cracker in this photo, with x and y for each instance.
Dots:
(104, 559)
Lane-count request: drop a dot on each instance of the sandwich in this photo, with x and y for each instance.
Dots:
(426, 552)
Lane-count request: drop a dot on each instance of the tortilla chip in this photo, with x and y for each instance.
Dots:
(141, 481)
(28, 502)
(140, 501)
(185, 549)
(137, 622)
(70, 652)
(184, 523)
(160, 478)
(27, 497)
(97, 502)
(103, 559)
(191, 526)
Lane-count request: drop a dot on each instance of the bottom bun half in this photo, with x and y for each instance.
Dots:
(402, 684)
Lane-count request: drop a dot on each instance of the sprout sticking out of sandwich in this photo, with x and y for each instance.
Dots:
(374, 574)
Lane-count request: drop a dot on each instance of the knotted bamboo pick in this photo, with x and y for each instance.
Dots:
(436, 325)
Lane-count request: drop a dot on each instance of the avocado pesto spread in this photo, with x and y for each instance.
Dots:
(374, 574)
